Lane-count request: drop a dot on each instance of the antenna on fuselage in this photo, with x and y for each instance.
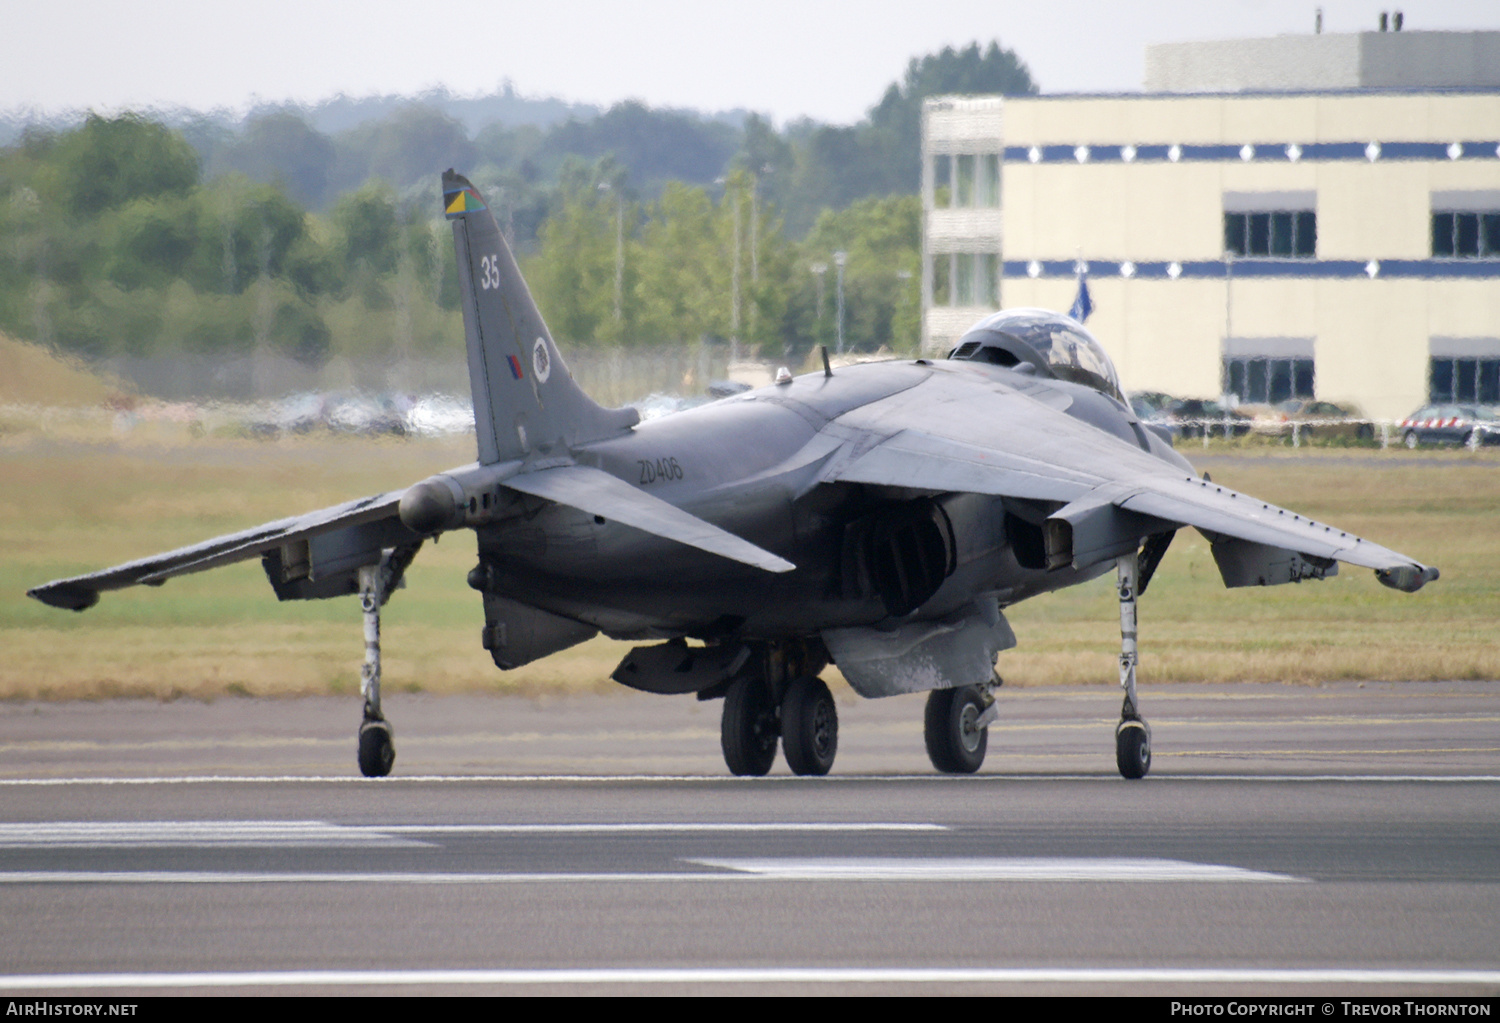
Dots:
(827, 369)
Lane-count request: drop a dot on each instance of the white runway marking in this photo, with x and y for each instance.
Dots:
(1109, 777)
(754, 975)
(1019, 868)
(198, 834)
(656, 827)
(885, 869)
(319, 834)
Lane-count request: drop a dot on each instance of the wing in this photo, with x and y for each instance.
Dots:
(1106, 492)
(314, 553)
(598, 493)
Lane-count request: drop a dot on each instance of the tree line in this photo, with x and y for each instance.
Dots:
(639, 226)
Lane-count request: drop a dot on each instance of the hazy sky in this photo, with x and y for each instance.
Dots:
(826, 59)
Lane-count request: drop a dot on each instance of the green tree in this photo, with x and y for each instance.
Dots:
(109, 161)
(586, 245)
(368, 241)
(882, 280)
(279, 147)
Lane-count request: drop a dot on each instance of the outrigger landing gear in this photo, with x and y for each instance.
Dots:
(377, 747)
(1132, 735)
(956, 726)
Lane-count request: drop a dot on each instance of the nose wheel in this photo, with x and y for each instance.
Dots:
(956, 728)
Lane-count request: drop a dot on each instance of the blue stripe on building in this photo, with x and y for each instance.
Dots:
(1315, 269)
(1257, 152)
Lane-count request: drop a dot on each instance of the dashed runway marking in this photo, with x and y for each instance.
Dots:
(737, 869)
(1019, 868)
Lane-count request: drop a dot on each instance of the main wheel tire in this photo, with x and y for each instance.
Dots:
(954, 744)
(377, 750)
(809, 727)
(748, 729)
(1133, 749)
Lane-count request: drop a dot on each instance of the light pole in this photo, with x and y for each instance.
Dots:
(904, 277)
(818, 270)
(839, 259)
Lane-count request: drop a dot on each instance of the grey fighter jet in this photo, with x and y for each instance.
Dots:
(879, 517)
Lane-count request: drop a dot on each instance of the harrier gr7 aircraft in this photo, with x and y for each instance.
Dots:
(881, 518)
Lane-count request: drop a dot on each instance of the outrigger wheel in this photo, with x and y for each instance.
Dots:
(377, 751)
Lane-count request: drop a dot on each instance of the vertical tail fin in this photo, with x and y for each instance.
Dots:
(525, 400)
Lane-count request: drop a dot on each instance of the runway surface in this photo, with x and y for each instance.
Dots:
(1341, 839)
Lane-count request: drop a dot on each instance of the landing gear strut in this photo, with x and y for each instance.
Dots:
(377, 747)
(1132, 735)
(956, 727)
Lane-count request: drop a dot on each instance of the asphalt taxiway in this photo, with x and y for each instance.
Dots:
(1290, 840)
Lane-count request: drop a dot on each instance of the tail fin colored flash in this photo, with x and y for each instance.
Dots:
(525, 400)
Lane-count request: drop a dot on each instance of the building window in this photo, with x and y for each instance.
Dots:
(963, 278)
(1291, 234)
(963, 190)
(1476, 381)
(989, 279)
(966, 279)
(966, 181)
(1465, 234)
(1266, 370)
(1268, 380)
(989, 181)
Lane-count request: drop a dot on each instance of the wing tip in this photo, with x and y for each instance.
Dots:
(68, 596)
(1407, 578)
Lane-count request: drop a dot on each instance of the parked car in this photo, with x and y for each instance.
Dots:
(1196, 417)
(1470, 425)
(370, 415)
(1146, 404)
(1310, 417)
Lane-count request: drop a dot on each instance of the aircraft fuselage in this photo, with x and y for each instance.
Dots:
(749, 465)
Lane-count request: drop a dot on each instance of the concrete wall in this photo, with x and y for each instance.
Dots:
(1363, 60)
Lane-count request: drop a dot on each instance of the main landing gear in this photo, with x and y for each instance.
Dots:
(956, 726)
(1132, 735)
(784, 700)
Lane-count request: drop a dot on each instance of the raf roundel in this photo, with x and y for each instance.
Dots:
(541, 362)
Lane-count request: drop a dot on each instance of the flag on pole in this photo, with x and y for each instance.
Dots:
(1082, 305)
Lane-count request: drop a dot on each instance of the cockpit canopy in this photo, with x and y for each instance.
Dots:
(1057, 345)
